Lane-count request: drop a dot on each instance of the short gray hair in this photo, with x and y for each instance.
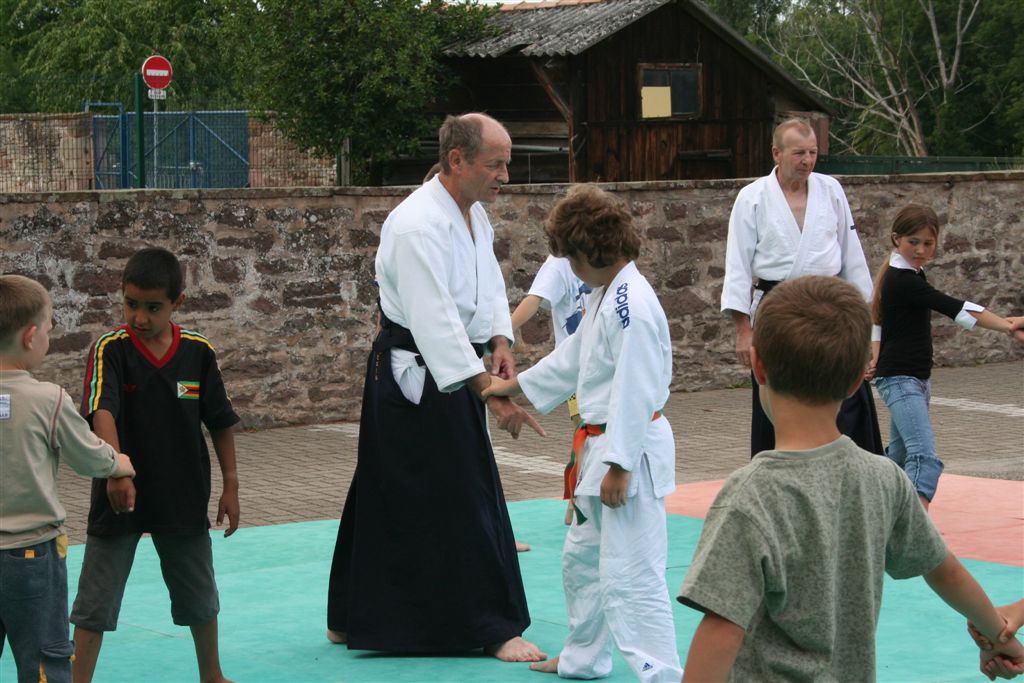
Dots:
(463, 132)
(800, 124)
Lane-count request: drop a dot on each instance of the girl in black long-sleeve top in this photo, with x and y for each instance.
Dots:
(902, 306)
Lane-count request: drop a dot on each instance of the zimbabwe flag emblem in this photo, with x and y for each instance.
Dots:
(188, 390)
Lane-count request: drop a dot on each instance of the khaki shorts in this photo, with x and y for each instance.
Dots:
(186, 563)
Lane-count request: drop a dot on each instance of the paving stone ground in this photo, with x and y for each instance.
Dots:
(301, 473)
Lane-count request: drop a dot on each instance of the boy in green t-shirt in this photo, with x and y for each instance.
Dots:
(790, 564)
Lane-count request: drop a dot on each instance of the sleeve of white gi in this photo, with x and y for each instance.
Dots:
(637, 386)
(553, 379)
(855, 265)
(432, 315)
(739, 254)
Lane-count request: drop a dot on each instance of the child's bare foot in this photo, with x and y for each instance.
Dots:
(338, 637)
(522, 547)
(548, 667)
(516, 650)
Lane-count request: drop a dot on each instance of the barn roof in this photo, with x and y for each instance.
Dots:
(556, 27)
(570, 27)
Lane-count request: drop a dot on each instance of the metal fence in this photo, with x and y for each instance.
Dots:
(879, 165)
(96, 149)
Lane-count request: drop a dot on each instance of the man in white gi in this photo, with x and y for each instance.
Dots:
(425, 560)
(619, 364)
(794, 222)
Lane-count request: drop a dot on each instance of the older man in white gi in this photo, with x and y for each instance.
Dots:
(794, 222)
(425, 560)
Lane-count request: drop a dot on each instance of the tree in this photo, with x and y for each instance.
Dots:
(66, 52)
(357, 71)
(746, 16)
(911, 77)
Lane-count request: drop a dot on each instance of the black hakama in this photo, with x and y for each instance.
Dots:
(425, 559)
(857, 419)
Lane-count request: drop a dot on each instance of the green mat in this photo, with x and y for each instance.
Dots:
(273, 583)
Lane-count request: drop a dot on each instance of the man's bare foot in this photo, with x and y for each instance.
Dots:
(338, 637)
(516, 650)
(522, 547)
(548, 667)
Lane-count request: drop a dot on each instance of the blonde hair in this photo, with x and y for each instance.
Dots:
(910, 219)
(813, 335)
(23, 301)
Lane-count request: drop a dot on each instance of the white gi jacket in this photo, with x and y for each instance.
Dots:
(766, 243)
(444, 286)
(619, 364)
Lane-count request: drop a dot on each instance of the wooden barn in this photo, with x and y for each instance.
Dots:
(624, 90)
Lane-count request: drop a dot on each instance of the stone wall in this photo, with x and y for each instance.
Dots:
(282, 280)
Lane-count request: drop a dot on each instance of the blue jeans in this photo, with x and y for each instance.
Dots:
(911, 439)
(34, 612)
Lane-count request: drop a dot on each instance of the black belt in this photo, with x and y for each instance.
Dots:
(766, 285)
(394, 336)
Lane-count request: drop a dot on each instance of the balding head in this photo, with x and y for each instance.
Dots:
(467, 133)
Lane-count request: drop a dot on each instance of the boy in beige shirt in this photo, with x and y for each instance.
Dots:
(38, 426)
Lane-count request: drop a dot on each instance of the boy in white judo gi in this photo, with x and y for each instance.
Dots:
(619, 364)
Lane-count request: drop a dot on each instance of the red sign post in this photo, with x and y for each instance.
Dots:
(157, 72)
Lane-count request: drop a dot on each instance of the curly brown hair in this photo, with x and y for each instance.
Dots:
(590, 222)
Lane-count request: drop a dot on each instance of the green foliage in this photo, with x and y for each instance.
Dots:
(877, 63)
(356, 70)
(746, 16)
(65, 52)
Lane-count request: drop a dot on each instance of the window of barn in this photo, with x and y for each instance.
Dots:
(669, 91)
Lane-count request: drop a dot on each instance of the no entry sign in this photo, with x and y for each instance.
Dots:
(156, 72)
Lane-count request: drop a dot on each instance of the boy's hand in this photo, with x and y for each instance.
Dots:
(121, 494)
(1013, 619)
(614, 486)
(229, 506)
(501, 387)
(124, 467)
(1004, 661)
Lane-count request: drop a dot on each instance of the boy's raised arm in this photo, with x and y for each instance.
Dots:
(224, 446)
(713, 650)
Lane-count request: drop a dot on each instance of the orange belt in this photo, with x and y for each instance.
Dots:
(572, 470)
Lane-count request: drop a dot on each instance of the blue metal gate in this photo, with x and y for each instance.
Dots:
(182, 149)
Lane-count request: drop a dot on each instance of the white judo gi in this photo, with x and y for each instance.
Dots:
(619, 363)
(443, 285)
(766, 243)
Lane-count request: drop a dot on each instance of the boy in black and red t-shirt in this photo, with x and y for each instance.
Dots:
(149, 387)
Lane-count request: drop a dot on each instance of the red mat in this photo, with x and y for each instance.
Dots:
(981, 519)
